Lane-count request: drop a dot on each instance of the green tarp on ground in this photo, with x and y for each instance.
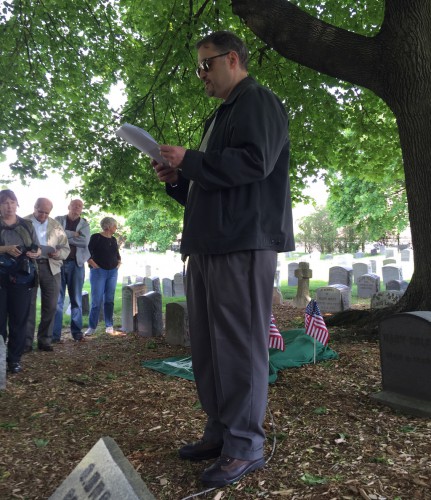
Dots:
(299, 351)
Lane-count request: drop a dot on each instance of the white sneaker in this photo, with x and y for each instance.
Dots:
(89, 331)
(110, 329)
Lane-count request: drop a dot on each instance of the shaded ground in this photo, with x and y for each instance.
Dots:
(331, 440)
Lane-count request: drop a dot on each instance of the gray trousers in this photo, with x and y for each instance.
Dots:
(49, 285)
(229, 302)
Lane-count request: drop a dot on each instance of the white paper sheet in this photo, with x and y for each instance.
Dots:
(141, 139)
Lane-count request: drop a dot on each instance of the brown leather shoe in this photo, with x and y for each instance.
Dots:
(228, 470)
(200, 450)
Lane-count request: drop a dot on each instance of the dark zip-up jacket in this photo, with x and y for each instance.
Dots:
(240, 195)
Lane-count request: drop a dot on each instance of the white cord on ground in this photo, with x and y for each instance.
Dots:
(274, 444)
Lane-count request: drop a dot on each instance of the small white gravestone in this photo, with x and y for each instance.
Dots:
(104, 473)
(292, 280)
(333, 298)
(359, 269)
(130, 294)
(341, 275)
(390, 273)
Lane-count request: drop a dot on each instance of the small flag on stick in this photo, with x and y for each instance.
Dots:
(315, 324)
(275, 338)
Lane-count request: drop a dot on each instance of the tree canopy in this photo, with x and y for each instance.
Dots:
(60, 59)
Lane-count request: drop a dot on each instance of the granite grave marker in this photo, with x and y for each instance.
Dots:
(405, 353)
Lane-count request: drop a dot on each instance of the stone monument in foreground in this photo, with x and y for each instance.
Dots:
(405, 352)
(104, 473)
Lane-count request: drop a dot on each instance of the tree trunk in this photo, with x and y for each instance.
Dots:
(395, 65)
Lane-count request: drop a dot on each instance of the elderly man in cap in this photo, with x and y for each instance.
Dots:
(55, 248)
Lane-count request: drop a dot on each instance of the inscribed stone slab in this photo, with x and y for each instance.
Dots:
(179, 289)
(341, 275)
(368, 285)
(333, 298)
(104, 473)
(405, 351)
(397, 285)
(390, 273)
(385, 299)
(177, 324)
(149, 318)
(359, 269)
(292, 279)
(130, 294)
(167, 287)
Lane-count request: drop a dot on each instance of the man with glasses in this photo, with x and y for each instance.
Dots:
(238, 215)
(77, 231)
(55, 248)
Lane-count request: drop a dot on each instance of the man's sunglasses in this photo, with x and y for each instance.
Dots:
(205, 64)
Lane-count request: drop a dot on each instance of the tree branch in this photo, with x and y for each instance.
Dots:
(302, 38)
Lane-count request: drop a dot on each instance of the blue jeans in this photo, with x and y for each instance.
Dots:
(103, 283)
(72, 277)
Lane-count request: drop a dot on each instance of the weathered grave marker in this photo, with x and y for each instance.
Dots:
(368, 285)
(177, 324)
(104, 473)
(303, 273)
(149, 317)
(130, 294)
(341, 275)
(333, 298)
(386, 298)
(405, 353)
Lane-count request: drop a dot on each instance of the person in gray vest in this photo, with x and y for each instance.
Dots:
(55, 248)
(238, 215)
(77, 231)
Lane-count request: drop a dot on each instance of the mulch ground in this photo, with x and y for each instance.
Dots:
(327, 439)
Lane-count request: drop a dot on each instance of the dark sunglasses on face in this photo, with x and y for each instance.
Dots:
(205, 64)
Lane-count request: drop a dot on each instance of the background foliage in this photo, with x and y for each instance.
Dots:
(60, 59)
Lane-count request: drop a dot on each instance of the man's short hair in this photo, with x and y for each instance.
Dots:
(227, 41)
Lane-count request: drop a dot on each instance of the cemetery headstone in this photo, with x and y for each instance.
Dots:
(397, 285)
(150, 318)
(341, 275)
(333, 298)
(104, 473)
(386, 298)
(167, 287)
(359, 255)
(373, 251)
(303, 273)
(177, 324)
(368, 285)
(292, 280)
(85, 303)
(405, 353)
(386, 262)
(179, 289)
(373, 265)
(277, 296)
(127, 280)
(149, 284)
(156, 285)
(129, 310)
(390, 273)
(382, 249)
(139, 279)
(2, 363)
(147, 271)
(389, 252)
(406, 255)
(359, 269)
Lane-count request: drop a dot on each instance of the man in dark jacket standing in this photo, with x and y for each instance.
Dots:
(237, 217)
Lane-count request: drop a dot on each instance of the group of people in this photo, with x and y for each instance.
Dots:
(38, 252)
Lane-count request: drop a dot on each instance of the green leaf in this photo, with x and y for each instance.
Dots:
(312, 480)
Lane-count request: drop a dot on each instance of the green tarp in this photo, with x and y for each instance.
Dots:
(299, 351)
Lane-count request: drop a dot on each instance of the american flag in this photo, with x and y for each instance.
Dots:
(275, 338)
(314, 323)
